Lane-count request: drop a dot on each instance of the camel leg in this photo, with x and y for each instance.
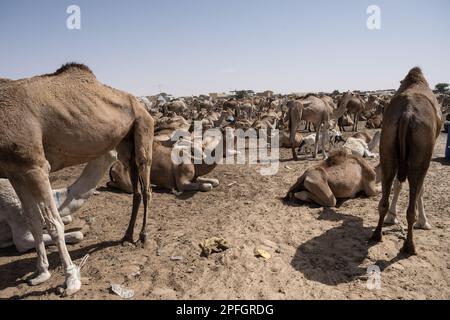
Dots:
(422, 222)
(213, 182)
(195, 186)
(36, 195)
(324, 139)
(67, 219)
(70, 238)
(184, 182)
(316, 144)
(128, 238)
(22, 238)
(391, 217)
(415, 184)
(355, 124)
(294, 123)
(144, 177)
(389, 172)
(318, 191)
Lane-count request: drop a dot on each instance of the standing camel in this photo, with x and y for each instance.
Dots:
(353, 104)
(62, 119)
(311, 109)
(411, 125)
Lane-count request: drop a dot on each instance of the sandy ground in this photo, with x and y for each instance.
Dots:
(315, 253)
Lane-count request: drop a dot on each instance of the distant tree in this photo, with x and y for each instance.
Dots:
(335, 92)
(442, 87)
(242, 94)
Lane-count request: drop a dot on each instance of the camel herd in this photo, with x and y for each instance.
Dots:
(67, 118)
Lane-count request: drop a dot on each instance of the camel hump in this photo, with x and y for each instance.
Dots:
(71, 66)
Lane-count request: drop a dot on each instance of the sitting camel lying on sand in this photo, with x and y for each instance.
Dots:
(362, 144)
(68, 200)
(308, 144)
(168, 175)
(340, 176)
(285, 139)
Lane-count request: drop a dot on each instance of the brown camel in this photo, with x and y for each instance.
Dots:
(411, 125)
(166, 174)
(353, 104)
(340, 176)
(62, 119)
(313, 109)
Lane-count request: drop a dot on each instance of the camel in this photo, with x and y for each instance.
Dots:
(340, 176)
(68, 201)
(285, 139)
(62, 119)
(312, 109)
(4, 80)
(375, 121)
(362, 144)
(345, 121)
(169, 175)
(166, 127)
(309, 141)
(353, 104)
(177, 106)
(412, 123)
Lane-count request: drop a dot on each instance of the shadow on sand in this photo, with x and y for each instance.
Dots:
(13, 273)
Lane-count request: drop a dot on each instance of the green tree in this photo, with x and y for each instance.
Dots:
(242, 94)
(442, 87)
(335, 92)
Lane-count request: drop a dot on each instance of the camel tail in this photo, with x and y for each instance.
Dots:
(403, 137)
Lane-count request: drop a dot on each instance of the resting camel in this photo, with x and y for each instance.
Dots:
(362, 144)
(312, 109)
(62, 119)
(353, 104)
(412, 123)
(285, 139)
(169, 175)
(340, 176)
(68, 201)
(345, 121)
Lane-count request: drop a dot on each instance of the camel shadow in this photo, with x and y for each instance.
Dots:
(335, 256)
(183, 196)
(441, 160)
(13, 273)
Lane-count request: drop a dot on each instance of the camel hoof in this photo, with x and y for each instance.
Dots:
(409, 248)
(207, 187)
(423, 226)
(142, 242)
(376, 237)
(39, 278)
(391, 219)
(73, 281)
(127, 241)
(215, 183)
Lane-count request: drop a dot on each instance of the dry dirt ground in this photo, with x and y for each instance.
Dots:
(315, 253)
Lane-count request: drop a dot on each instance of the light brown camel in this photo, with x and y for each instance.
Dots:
(353, 104)
(285, 139)
(312, 109)
(412, 123)
(340, 176)
(62, 119)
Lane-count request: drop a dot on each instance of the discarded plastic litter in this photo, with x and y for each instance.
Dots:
(122, 292)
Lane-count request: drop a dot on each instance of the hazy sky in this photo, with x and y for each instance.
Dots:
(200, 46)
